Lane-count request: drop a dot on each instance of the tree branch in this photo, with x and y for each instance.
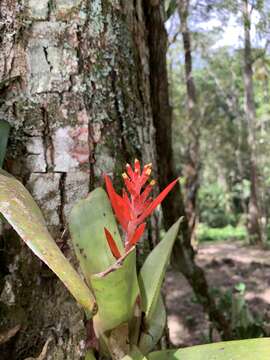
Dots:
(171, 9)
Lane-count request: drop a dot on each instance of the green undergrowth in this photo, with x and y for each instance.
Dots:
(228, 232)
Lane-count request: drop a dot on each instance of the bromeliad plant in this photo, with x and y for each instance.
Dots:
(126, 307)
(109, 264)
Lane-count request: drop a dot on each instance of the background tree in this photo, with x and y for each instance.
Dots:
(183, 253)
(191, 170)
(254, 216)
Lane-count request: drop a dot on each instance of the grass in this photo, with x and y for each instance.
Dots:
(220, 234)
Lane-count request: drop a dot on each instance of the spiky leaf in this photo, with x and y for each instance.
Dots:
(153, 271)
(87, 221)
(117, 290)
(153, 330)
(135, 354)
(21, 211)
(116, 294)
(231, 350)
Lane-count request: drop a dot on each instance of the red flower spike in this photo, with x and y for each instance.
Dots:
(130, 171)
(120, 207)
(146, 192)
(130, 186)
(135, 205)
(136, 237)
(137, 166)
(157, 201)
(125, 197)
(112, 244)
(147, 169)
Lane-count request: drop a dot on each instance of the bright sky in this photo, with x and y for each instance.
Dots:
(233, 32)
(232, 35)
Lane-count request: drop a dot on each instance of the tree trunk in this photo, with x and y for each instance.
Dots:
(75, 88)
(193, 127)
(173, 206)
(254, 216)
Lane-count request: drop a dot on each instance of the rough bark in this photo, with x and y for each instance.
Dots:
(254, 216)
(173, 206)
(74, 87)
(192, 168)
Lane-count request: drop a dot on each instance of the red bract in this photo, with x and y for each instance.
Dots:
(135, 205)
(114, 249)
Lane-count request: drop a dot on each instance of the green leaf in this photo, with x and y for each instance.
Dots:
(116, 293)
(241, 287)
(21, 211)
(115, 290)
(89, 355)
(4, 132)
(135, 354)
(250, 349)
(153, 271)
(87, 221)
(154, 330)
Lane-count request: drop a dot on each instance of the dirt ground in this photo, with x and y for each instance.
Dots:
(225, 264)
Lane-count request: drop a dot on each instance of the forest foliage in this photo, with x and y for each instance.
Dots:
(216, 30)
